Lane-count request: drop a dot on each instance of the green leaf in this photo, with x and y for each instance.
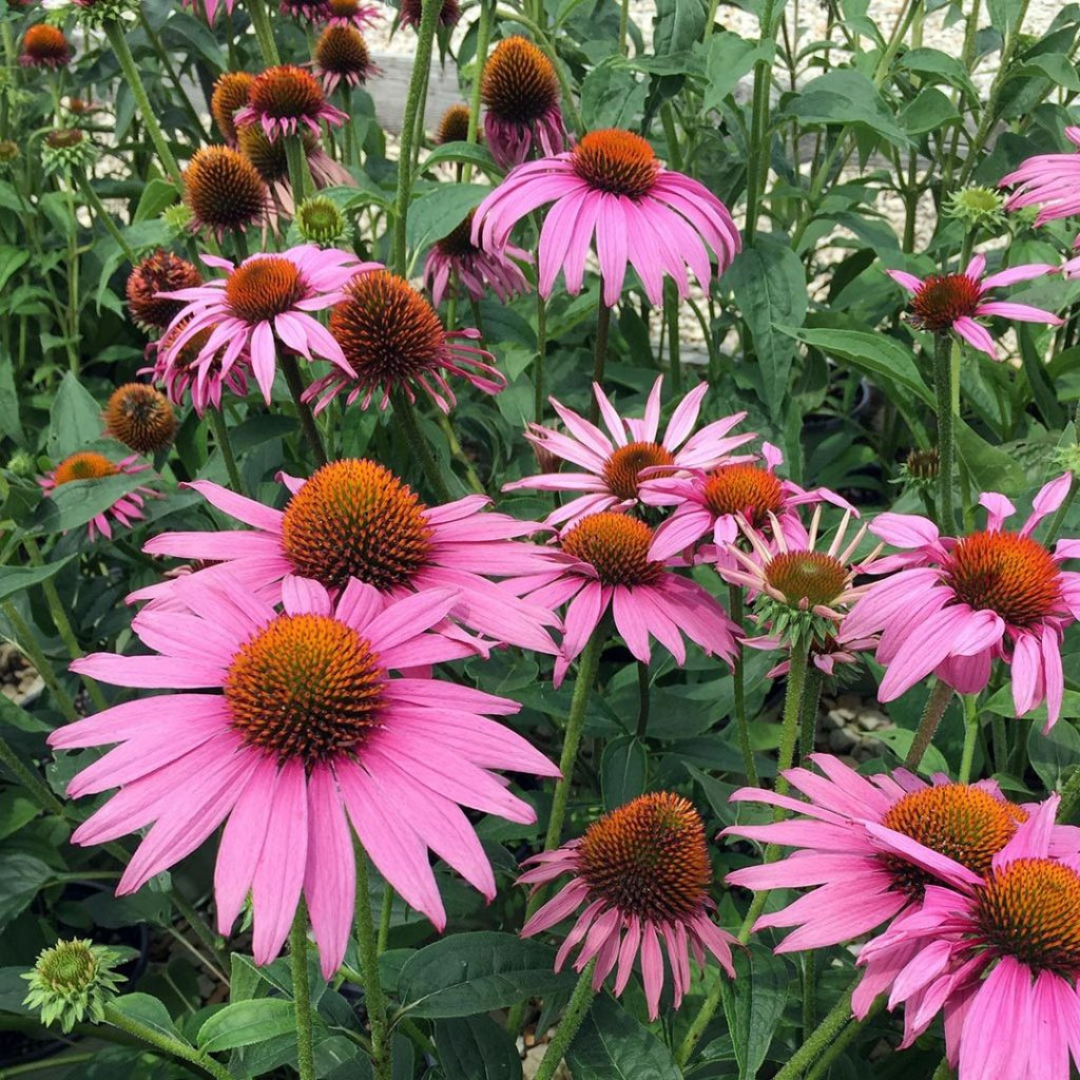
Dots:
(612, 1045)
(769, 283)
(846, 97)
(461, 153)
(756, 1005)
(21, 876)
(679, 23)
(900, 740)
(612, 97)
(935, 62)
(930, 111)
(874, 354)
(10, 422)
(716, 791)
(623, 769)
(992, 468)
(73, 504)
(476, 973)
(1053, 754)
(1001, 704)
(156, 196)
(729, 59)
(246, 1022)
(441, 210)
(149, 1011)
(11, 260)
(74, 420)
(1054, 66)
(19, 578)
(476, 1048)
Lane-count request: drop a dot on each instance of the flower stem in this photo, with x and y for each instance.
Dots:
(946, 451)
(758, 164)
(483, 42)
(671, 312)
(742, 724)
(298, 966)
(936, 705)
(971, 736)
(842, 1041)
(62, 623)
(414, 106)
(94, 202)
(1070, 797)
(291, 369)
(541, 351)
(299, 173)
(793, 700)
(624, 27)
(260, 22)
(603, 325)
(814, 1046)
(374, 997)
(34, 786)
(580, 1002)
(384, 917)
(808, 719)
(224, 445)
(115, 34)
(643, 699)
(406, 419)
(173, 1047)
(26, 642)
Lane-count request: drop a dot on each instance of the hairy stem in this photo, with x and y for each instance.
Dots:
(936, 705)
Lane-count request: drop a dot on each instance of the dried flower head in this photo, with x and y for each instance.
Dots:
(160, 272)
(141, 418)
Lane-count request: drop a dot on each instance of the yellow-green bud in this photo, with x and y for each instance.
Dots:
(71, 982)
(319, 221)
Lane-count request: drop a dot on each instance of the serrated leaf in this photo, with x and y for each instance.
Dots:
(612, 1045)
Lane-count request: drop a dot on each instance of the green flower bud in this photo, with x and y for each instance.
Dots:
(22, 464)
(71, 982)
(1067, 458)
(66, 149)
(977, 207)
(319, 221)
(921, 468)
(177, 219)
(9, 154)
(96, 13)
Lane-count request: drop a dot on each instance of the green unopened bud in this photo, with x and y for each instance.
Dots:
(976, 207)
(65, 150)
(921, 468)
(22, 464)
(71, 982)
(319, 221)
(1067, 458)
(177, 219)
(9, 153)
(96, 13)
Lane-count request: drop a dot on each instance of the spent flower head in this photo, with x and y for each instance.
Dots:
(71, 982)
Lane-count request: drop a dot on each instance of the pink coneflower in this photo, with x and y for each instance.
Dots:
(210, 7)
(352, 13)
(520, 91)
(1052, 180)
(605, 565)
(456, 259)
(285, 100)
(184, 373)
(614, 467)
(355, 519)
(310, 11)
(708, 503)
(306, 724)
(45, 46)
(642, 215)
(944, 302)
(644, 873)
(1000, 955)
(961, 603)
(800, 593)
(394, 340)
(870, 846)
(90, 465)
(263, 301)
(342, 58)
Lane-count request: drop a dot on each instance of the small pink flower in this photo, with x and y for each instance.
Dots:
(394, 341)
(185, 374)
(611, 186)
(605, 565)
(959, 603)
(709, 501)
(355, 519)
(286, 99)
(1052, 180)
(209, 7)
(944, 302)
(643, 872)
(615, 468)
(351, 13)
(869, 847)
(1000, 955)
(456, 259)
(297, 720)
(90, 465)
(263, 301)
